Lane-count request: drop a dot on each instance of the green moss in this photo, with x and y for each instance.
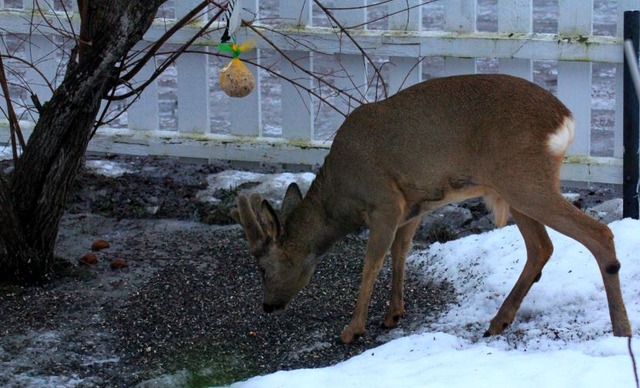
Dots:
(592, 160)
(574, 159)
(216, 370)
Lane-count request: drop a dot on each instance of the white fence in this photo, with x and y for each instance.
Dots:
(573, 48)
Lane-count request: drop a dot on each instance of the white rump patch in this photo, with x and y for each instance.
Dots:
(559, 140)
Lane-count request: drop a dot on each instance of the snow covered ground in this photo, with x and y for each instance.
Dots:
(561, 336)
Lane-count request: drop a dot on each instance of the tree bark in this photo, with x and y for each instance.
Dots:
(33, 197)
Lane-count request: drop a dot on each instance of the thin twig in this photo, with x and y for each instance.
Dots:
(282, 52)
(165, 37)
(45, 18)
(384, 16)
(151, 53)
(344, 31)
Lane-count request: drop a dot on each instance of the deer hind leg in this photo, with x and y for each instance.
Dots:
(557, 213)
(382, 231)
(399, 249)
(539, 250)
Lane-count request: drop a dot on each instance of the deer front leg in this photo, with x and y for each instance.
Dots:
(380, 239)
(399, 249)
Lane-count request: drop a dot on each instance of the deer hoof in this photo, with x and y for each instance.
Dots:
(349, 335)
(391, 321)
(495, 328)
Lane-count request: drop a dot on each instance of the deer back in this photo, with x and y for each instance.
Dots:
(438, 137)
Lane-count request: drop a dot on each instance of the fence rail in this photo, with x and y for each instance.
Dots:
(576, 52)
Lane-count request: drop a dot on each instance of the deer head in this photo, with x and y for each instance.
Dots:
(285, 268)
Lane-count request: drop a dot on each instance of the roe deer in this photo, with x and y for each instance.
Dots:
(441, 141)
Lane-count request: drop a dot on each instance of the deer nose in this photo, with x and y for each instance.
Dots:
(269, 308)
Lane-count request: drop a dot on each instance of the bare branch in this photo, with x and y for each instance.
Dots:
(32, 66)
(45, 18)
(14, 125)
(85, 39)
(151, 52)
(387, 15)
(322, 80)
(345, 31)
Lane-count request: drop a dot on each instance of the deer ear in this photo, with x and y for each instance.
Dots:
(292, 198)
(270, 221)
(245, 215)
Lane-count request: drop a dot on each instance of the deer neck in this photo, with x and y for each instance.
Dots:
(312, 226)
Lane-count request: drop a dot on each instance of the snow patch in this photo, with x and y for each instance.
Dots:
(561, 336)
(107, 168)
(271, 187)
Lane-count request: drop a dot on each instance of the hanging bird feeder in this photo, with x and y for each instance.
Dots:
(235, 78)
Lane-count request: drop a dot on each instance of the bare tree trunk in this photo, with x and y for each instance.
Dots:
(33, 197)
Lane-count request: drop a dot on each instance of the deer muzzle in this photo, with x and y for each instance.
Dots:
(271, 308)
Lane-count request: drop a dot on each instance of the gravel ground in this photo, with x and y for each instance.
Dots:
(189, 303)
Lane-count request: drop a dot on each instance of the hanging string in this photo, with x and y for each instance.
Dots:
(232, 19)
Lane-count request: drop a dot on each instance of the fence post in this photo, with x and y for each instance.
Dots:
(352, 76)
(460, 16)
(297, 105)
(404, 71)
(144, 113)
(193, 83)
(631, 122)
(516, 17)
(618, 135)
(574, 78)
